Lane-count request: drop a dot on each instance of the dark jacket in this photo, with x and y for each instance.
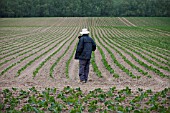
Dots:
(85, 47)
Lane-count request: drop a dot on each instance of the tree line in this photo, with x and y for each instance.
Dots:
(83, 8)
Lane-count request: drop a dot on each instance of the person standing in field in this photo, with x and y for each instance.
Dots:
(83, 53)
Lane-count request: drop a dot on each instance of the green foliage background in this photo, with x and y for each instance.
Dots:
(82, 8)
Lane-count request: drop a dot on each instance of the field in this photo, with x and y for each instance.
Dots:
(129, 71)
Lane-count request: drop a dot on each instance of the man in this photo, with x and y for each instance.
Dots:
(84, 49)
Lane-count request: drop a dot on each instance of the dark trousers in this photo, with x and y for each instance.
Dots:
(84, 69)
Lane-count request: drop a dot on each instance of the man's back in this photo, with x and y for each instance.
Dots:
(85, 47)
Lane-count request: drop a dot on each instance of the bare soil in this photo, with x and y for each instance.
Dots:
(43, 80)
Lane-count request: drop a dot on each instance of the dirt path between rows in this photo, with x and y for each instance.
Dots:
(126, 22)
(146, 62)
(33, 32)
(156, 31)
(119, 33)
(42, 80)
(123, 21)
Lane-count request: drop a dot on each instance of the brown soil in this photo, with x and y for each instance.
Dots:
(43, 80)
(144, 80)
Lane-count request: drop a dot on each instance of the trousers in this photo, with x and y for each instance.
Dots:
(84, 69)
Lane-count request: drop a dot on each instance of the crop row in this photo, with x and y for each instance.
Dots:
(30, 22)
(58, 59)
(32, 61)
(162, 31)
(123, 68)
(145, 58)
(124, 47)
(26, 47)
(104, 61)
(106, 22)
(31, 38)
(147, 21)
(121, 33)
(153, 44)
(147, 52)
(93, 62)
(16, 43)
(75, 101)
(144, 46)
(69, 61)
(30, 41)
(13, 32)
(21, 60)
(126, 60)
(136, 43)
(42, 48)
(110, 44)
(39, 44)
(131, 47)
(16, 40)
(159, 42)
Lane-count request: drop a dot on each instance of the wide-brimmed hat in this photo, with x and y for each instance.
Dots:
(84, 31)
